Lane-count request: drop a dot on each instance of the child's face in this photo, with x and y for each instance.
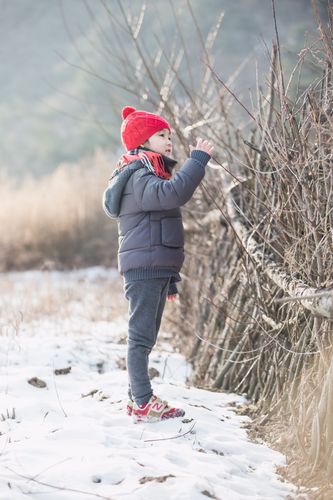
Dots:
(160, 142)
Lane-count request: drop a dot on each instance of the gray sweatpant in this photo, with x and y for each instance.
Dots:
(146, 304)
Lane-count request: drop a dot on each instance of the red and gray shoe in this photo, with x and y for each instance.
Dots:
(155, 410)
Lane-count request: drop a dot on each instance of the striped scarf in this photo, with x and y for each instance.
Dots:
(154, 162)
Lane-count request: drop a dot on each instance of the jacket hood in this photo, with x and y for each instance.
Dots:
(113, 194)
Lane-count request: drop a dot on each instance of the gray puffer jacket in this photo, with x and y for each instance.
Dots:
(151, 236)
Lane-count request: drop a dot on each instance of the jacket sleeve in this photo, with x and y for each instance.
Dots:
(153, 193)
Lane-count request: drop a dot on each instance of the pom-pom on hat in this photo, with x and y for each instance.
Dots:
(139, 125)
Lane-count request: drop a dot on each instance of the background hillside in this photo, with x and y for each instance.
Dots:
(53, 106)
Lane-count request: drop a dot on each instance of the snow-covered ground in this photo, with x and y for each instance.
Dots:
(72, 439)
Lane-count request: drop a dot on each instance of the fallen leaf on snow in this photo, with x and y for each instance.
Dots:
(62, 371)
(159, 479)
(37, 382)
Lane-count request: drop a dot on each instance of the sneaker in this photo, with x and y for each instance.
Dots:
(129, 407)
(155, 411)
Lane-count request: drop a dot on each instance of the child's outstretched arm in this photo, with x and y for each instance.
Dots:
(152, 193)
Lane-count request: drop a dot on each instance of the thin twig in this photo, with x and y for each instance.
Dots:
(172, 437)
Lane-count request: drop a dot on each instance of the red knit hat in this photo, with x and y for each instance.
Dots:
(138, 126)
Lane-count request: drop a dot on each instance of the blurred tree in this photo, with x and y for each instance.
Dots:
(57, 102)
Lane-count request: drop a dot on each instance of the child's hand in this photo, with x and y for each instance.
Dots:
(171, 298)
(203, 145)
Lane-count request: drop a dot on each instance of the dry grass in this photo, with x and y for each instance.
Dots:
(301, 428)
(57, 221)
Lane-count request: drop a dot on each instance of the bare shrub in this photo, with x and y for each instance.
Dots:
(270, 235)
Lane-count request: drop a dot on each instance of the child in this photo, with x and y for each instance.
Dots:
(145, 201)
